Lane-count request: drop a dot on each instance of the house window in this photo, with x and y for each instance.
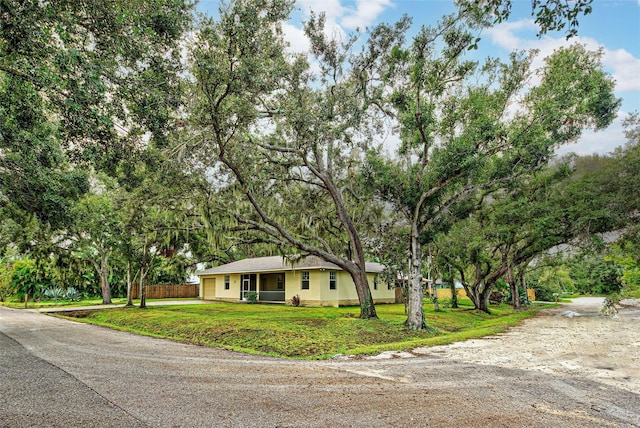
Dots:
(333, 281)
(226, 282)
(375, 281)
(305, 281)
(280, 281)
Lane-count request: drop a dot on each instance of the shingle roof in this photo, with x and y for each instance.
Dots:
(278, 264)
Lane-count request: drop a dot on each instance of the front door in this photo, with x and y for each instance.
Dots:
(247, 284)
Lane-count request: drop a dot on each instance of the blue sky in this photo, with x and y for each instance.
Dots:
(614, 26)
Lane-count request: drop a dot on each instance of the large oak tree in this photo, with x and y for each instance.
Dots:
(86, 78)
(287, 137)
(468, 129)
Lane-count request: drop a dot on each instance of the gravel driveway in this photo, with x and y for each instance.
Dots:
(61, 373)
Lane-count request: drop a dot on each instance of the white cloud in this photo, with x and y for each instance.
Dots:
(624, 67)
(332, 9)
(365, 14)
(298, 42)
(340, 19)
(601, 142)
(505, 34)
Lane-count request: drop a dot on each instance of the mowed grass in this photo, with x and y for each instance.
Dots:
(93, 301)
(38, 304)
(302, 332)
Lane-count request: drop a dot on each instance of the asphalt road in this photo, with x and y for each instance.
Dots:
(58, 373)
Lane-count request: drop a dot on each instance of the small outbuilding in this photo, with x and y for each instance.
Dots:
(275, 279)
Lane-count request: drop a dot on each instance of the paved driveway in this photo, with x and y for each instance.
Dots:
(61, 373)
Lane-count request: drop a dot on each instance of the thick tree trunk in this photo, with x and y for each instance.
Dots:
(436, 300)
(474, 295)
(129, 285)
(367, 306)
(474, 291)
(522, 281)
(405, 297)
(143, 296)
(513, 285)
(359, 274)
(515, 295)
(482, 286)
(454, 292)
(104, 282)
(480, 296)
(483, 303)
(415, 314)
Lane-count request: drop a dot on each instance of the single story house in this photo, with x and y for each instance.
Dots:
(275, 279)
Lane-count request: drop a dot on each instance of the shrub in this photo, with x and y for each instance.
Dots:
(252, 297)
(594, 275)
(28, 279)
(73, 294)
(5, 292)
(546, 292)
(6, 289)
(54, 293)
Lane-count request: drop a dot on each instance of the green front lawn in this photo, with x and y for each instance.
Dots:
(37, 304)
(302, 332)
(93, 301)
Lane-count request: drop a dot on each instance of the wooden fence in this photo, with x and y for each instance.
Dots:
(166, 291)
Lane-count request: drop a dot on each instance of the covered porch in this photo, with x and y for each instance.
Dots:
(270, 287)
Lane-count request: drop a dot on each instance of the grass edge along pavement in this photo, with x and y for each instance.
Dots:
(96, 301)
(303, 332)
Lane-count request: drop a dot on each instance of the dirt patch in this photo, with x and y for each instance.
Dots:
(78, 314)
(573, 339)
